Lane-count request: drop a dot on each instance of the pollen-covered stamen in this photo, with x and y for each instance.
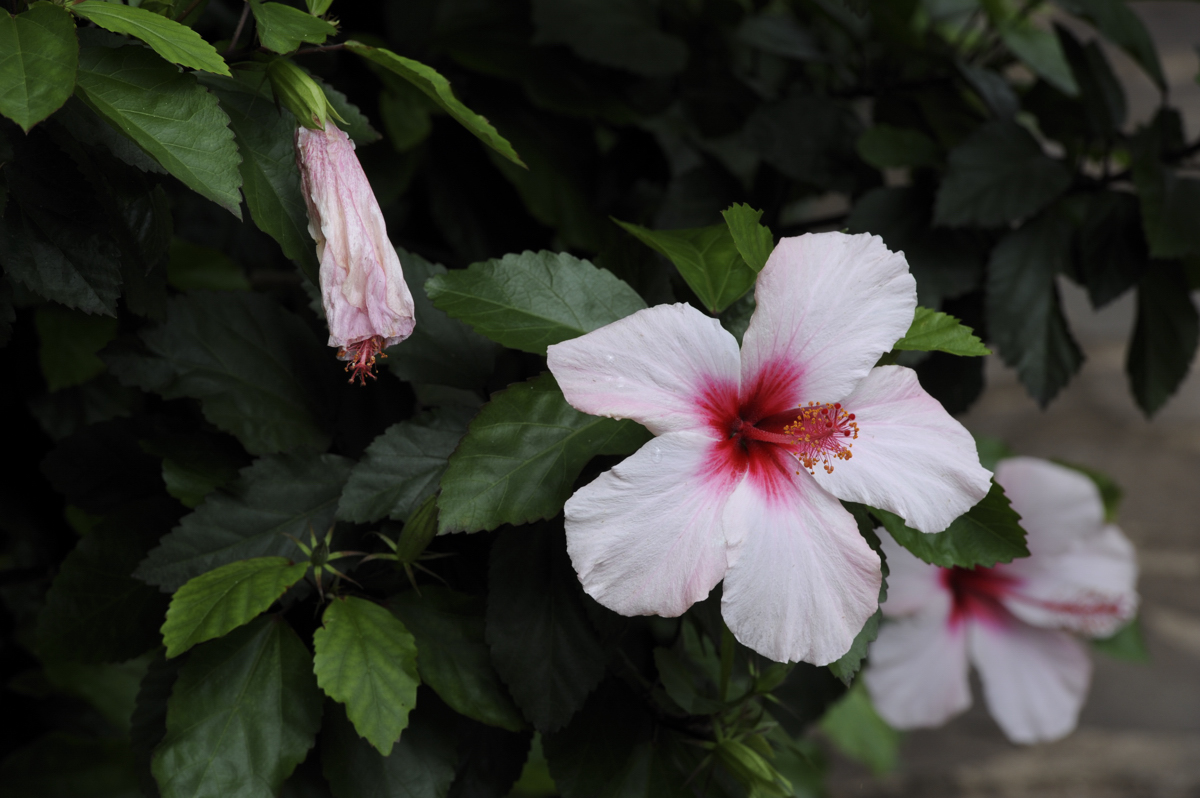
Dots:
(361, 356)
(822, 434)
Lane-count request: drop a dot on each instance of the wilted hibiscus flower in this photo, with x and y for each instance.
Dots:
(367, 303)
(753, 450)
(1014, 622)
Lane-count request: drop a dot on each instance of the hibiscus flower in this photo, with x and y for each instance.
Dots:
(1017, 623)
(754, 449)
(367, 303)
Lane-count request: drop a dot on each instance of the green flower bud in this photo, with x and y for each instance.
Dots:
(300, 94)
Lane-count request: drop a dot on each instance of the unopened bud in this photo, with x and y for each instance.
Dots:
(300, 94)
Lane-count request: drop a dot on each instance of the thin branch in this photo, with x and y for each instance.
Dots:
(237, 33)
(324, 48)
(191, 7)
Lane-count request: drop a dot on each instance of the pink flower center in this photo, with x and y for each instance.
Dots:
(976, 593)
(361, 356)
(820, 433)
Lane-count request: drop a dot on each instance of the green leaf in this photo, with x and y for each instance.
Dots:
(1041, 52)
(38, 56)
(996, 176)
(1124, 28)
(356, 125)
(1025, 318)
(254, 367)
(437, 88)
(707, 259)
(61, 765)
(521, 455)
(95, 611)
(193, 267)
(442, 350)
(404, 111)
(177, 43)
(244, 712)
(754, 241)
(808, 138)
(148, 724)
(932, 331)
(454, 658)
(1112, 252)
(532, 300)
(613, 749)
(69, 341)
(945, 263)
(542, 642)
(401, 468)
(854, 726)
(195, 465)
(1127, 643)
(168, 114)
(617, 33)
(1165, 336)
(270, 179)
(988, 533)
(274, 497)
(420, 765)
(367, 660)
(283, 29)
(991, 451)
(1168, 201)
(223, 599)
(885, 146)
(111, 688)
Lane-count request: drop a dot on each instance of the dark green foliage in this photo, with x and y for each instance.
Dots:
(420, 765)
(1165, 336)
(542, 642)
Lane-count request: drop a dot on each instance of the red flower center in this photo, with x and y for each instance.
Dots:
(976, 593)
(361, 355)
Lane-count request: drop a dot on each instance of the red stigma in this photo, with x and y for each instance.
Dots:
(361, 356)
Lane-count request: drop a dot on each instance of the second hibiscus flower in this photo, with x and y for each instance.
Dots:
(755, 447)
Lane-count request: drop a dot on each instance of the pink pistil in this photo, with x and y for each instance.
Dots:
(361, 356)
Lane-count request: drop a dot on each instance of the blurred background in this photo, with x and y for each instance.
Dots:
(1139, 734)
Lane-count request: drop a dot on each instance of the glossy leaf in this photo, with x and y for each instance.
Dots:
(69, 341)
(168, 114)
(885, 146)
(243, 713)
(1041, 52)
(177, 43)
(754, 241)
(442, 350)
(401, 468)
(1124, 28)
(542, 642)
(437, 88)
(615, 33)
(270, 179)
(521, 456)
(273, 498)
(1165, 336)
(1112, 251)
(707, 259)
(988, 533)
(421, 763)
(996, 176)
(532, 300)
(366, 659)
(856, 729)
(225, 598)
(253, 366)
(283, 28)
(95, 610)
(933, 331)
(454, 658)
(1025, 318)
(38, 57)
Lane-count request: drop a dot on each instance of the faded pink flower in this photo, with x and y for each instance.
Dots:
(1017, 623)
(367, 303)
(740, 483)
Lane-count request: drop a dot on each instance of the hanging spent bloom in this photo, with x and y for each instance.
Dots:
(754, 449)
(367, 303)
(1017, 623)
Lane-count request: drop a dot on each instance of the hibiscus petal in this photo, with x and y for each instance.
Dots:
(801, 581)
(917, 675)
(1058, 506)
(1089, 588)
(828, 305)
(910, 457)
(645, 537)
(663, 367)
(914, 586)
(1034, 680)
